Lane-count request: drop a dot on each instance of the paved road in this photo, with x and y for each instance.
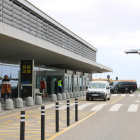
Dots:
(115, 119)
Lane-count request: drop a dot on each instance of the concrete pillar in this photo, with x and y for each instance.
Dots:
(59, 96)
(38, 100)
(78, 95)
(74, 94)
(71, 95)
(53, 98)
(29, 101)
(63, 96)
(19, 103)
(8, 104)
(84, 92)
(67, 95)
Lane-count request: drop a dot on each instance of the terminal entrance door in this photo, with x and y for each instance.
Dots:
(68, 83)
(78, 82)
(84, 82)
(75, 83)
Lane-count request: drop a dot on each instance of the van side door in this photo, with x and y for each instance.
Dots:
(120, 87)
(126, 86)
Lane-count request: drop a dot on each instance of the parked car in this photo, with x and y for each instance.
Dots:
(98, 90)
(123, 86)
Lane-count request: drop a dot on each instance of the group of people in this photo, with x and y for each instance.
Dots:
(6, 88)
(59, 86)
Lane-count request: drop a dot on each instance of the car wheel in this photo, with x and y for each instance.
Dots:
(131, 91)
(91, 99)
(105, 99)
(109, 97)
(87, 99)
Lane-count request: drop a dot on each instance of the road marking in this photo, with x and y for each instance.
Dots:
(116, 100)
(64, 106)
(8, 121)
(115, 95)
(70, 127)
(98, 107)
(131, 95)
(80, 107)
(137, 101)
(115, 107)
(133, 108)
(50, 105)
(123, 95)
(139, 95)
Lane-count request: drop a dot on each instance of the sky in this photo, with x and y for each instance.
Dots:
(111, 26)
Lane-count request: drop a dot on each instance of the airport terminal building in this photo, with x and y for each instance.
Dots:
(29, 36)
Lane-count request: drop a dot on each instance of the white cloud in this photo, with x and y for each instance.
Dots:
(111, 26)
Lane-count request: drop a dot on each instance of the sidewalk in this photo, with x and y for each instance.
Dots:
(45, 101)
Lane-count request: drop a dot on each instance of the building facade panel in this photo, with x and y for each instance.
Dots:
(19, 16)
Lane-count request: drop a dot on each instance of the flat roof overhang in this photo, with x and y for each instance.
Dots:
(16, 45)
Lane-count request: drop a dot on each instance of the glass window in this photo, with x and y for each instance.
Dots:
(120, 83)
(97, 85)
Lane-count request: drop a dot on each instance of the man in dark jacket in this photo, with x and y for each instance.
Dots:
(56, 87)
(6, 87)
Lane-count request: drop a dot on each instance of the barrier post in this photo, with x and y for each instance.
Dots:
(76, 109)
(22, 125)
(57, 116)
(68, 113)
(42, 123)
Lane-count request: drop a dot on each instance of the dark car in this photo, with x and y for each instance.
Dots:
(123, 86)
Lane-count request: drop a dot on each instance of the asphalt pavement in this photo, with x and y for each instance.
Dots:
(115, 119)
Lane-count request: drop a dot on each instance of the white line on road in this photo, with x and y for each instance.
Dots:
(50, 105)
(133, 108)
(98, 107)
(80, 107)
(115, 95)
(123, 95)
(131, 95)
(64, 106)
(115, 107)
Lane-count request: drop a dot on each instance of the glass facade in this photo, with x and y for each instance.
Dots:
(12, 71)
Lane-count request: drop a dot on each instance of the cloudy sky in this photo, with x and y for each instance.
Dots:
(111, 26)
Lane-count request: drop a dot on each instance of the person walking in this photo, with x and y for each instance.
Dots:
(60, 85)
(56, 87)
(6, 87)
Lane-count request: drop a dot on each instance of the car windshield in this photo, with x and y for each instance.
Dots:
(97, 85)
(113, 83)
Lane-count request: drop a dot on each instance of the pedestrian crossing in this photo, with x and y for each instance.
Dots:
(115, 107)
(130, 95)
(133, 108)
(96, 107)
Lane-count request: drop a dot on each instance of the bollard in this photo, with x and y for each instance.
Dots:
(22, 125)
(76, 109)
(42, 123)
(68, 113)
(57, 116)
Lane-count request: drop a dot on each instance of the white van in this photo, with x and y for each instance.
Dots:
(98, 90)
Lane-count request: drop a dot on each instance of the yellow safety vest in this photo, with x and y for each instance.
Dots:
(59, 83)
